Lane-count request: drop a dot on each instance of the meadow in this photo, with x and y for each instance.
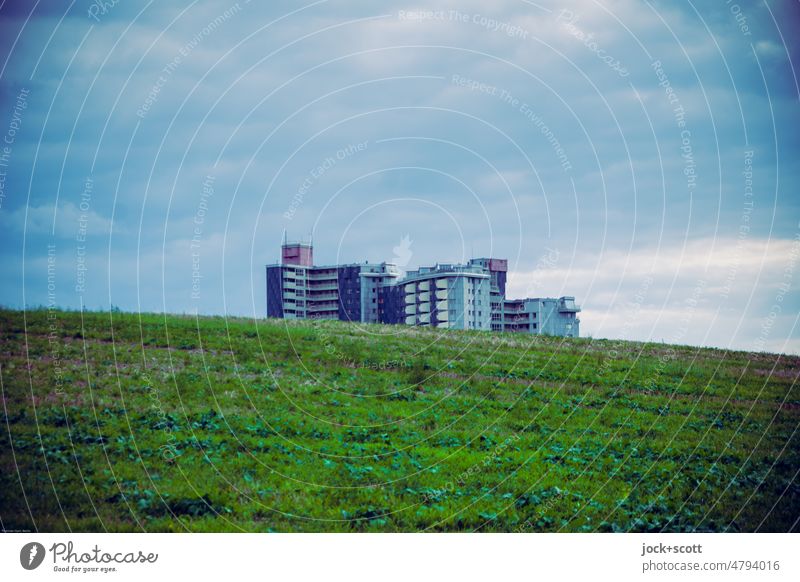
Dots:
(148, 422)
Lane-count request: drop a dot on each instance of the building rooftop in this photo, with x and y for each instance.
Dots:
(442, 268)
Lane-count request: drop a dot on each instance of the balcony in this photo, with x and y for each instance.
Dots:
(317, 276)
(324, 286)
(322, 296)
(320, 307)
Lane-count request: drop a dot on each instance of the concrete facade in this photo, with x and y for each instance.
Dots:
(542, 315)
(299, 290)
(498, 272)
(447, 296)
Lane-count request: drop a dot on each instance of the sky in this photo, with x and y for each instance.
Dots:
(641, 156)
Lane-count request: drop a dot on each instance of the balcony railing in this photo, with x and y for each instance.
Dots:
(325, 286)
(317, 307)
(322, 296)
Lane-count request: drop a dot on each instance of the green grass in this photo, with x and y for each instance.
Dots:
(127, 422)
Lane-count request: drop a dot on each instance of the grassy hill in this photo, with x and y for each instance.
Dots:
(117, 421)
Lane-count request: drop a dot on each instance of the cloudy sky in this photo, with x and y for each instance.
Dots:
(641, 156)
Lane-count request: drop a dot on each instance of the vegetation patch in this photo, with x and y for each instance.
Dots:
(128, 422)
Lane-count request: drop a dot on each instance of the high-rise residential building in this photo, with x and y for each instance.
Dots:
(538, 315)
(296, 289)
(470, 296)
(498, 272)
(447, 296)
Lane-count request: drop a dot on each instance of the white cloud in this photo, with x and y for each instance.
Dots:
(770, 49)
(705, 292)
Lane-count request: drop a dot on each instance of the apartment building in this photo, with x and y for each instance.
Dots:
(498, 273)
(447, 296)
(296, 289)
(450, 296)
(542, 315)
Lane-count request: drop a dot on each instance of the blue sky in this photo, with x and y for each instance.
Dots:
(642, 156)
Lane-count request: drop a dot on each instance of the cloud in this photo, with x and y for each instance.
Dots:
(69, 220)
(273, 90)
(725, 287)
(770, 49)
